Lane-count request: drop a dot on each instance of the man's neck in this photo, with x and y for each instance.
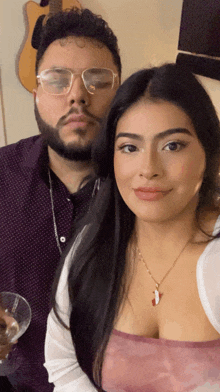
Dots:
(71, 173)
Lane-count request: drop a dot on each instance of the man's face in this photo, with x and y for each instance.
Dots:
(69, 123)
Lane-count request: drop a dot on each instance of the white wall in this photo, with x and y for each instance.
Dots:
(147, 32)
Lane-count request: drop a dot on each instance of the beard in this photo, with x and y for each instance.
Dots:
(52, 138)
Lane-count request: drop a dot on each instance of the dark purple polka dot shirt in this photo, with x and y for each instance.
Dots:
(29, 253)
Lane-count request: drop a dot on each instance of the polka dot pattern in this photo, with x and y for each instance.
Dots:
(28, 253)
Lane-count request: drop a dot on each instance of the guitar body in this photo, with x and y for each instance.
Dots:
(26, 66)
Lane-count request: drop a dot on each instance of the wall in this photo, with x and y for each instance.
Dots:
(147, 32)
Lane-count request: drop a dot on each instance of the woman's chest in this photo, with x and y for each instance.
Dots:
(179, 315)
(141, 364)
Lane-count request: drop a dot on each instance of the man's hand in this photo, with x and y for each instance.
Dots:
(6, 334)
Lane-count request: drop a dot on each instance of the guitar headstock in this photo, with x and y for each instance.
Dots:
(37, 17)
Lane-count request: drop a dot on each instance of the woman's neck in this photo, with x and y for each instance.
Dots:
(176, 228)
(160, 239)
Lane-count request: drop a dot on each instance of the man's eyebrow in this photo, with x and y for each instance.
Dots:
(58, 67)
(160, 135)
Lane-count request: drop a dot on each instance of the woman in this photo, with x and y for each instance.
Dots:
(139, 288)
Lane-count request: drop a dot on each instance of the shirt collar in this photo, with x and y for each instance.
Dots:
(37, 159)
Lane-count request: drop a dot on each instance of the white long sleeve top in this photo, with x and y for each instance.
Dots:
(61, 362)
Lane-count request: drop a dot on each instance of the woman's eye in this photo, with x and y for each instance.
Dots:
(174, 146)
(128, 148)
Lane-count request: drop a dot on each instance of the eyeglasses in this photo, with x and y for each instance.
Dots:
(58, 81)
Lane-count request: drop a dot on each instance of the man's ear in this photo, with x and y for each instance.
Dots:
(36, 98)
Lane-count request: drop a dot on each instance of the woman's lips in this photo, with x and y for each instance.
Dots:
(150, 194)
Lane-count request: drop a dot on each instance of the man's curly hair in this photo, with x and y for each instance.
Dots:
(79, 23)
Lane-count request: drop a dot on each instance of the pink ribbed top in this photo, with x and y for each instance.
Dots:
(139, 364)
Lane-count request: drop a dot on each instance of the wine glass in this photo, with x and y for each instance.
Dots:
(15, 317)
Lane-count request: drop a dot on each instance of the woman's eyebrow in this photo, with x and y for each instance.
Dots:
(172, 131)
(160, 135)
(130, 135)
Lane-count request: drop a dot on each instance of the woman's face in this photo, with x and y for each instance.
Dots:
(159, 162)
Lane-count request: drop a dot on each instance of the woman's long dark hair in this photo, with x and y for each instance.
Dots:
(97, 277)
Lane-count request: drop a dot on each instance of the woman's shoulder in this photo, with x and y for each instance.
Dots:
(208, 278)
(209, 261)
(209, 221)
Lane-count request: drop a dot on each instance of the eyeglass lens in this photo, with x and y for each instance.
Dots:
(58, 81)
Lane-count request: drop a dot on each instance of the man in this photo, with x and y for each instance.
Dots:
(46, 181)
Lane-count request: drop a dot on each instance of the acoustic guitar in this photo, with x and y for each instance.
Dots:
(37, 16)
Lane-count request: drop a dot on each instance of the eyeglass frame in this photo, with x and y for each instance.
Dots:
(72, 74)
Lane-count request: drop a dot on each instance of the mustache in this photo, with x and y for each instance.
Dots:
(76, 111)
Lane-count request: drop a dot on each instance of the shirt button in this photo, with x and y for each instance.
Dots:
(62, 239)
(68, 199)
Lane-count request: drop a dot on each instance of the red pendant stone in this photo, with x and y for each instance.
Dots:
(157, 296)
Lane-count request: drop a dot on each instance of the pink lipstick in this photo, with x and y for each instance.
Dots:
(150, 194)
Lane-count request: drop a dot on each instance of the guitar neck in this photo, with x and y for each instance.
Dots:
(34, 11)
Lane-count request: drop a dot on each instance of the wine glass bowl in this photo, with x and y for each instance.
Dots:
(15, 317)
(14, 306)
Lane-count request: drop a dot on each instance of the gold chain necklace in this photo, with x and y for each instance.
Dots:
(157, 294)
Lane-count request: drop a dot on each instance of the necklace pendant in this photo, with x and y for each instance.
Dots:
(156, 300)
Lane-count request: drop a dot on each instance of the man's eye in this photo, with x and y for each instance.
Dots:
(100, 84)
(58, 82)
(97, 84)
(128, 148)
(174, 146)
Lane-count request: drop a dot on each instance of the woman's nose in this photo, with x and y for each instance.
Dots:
(150, 164)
